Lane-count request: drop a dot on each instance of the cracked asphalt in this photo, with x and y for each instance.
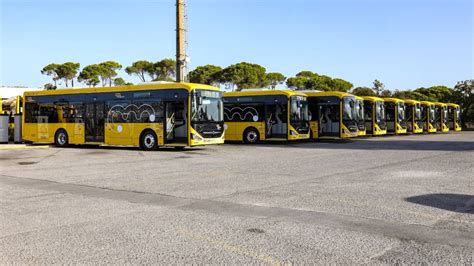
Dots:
(387, 200)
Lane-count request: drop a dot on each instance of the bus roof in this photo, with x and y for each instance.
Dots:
(339, 94)
(440, 104)
(426, 103)
(411, 101)
(372, 98)
(453, 105)
(263, 93)
(393, 100)
(148, 86)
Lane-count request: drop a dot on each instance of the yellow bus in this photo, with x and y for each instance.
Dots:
(454, 117)
(413, 116)
(395, 116)
(147, 116)
(374, 113)
(265, 115)
(441, 110)
(428, 116)
(360, 116)
(333, 114)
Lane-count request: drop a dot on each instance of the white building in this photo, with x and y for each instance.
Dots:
(7, 92)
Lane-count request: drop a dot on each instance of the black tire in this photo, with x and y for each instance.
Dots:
(148, 141)
(251, 136)
(61, 139)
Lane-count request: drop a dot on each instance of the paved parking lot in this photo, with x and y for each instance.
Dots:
(407, 199)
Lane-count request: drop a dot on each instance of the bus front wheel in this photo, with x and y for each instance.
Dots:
(251, 136)
(149, 141)
(61, 139)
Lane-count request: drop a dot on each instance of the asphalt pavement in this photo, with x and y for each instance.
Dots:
(384, 200)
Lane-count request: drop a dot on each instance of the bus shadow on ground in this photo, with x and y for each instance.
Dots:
(382, 144)
(451, 202)
(103, 149)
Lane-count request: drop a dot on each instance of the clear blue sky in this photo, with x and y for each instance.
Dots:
(404, 43)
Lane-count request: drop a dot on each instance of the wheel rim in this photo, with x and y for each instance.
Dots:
(62, 139)
(149, 141)
(252, 136)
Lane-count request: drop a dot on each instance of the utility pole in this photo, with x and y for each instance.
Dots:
(181, 41)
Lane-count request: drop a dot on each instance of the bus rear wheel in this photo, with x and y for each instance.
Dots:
(251, 136)
(61, 138)
(148, 141)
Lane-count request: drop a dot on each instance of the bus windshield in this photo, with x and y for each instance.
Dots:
(417, 112)
(207, 106)
(432, 113)
(401, 112)
(458, 115)
(380, 112)
(360, 110)
(349, 109)
(445, 112)
(299, 109)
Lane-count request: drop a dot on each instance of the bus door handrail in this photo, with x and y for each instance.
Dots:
(168, 122)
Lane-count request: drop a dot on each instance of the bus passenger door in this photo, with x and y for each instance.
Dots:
(176, 122)
(275, 121)
(369, 117)
(94, 121)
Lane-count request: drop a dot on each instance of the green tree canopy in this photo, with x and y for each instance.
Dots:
(208, 74)
(307, 80)
(90, 75)
(140, 69)
(386, 93)
(363, 91)
(411, 95)
(164, 70)
(68, 71)
(275, 79)
(119, 82)
(244, 76)
(49, 87)
(108, 71)
(463, 94)
(51, 70)
(436, 93)
(379, 87)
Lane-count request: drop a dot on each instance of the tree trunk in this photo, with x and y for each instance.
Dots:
(72, 82)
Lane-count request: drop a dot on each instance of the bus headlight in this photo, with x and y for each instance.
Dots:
(196, 137)
(293, 133)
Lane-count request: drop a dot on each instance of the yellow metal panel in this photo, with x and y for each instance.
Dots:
(313, 125)
(44, 133)
(338, 94)
(236, 130)
(263, 93)
(150, 86)
(128, 134)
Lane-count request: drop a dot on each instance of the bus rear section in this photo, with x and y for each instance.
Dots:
(374, 116)
(428, 115)
(252, 116)
(413, 116)
(333, 115)
(360, 113)
(148, 116)
(454, 117)
(441, 122)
